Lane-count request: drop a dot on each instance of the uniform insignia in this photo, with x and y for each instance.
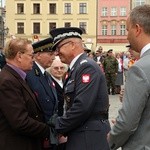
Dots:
(36, 93)
(85, 78)
(36, 72)
(53, 84)
(66, 76)
(83, 61)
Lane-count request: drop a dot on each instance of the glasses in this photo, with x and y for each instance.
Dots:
(60, 46)
(31, 55)
(59, 68)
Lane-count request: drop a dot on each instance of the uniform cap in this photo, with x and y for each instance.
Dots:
(43, 45)
(128, 46)
(60, 34)
(110, 50)
(87, 50)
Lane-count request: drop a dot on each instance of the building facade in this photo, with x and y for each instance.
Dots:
(33, 19)
(139, 2)
(111, 29)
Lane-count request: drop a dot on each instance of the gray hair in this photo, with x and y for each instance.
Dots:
(141, 15)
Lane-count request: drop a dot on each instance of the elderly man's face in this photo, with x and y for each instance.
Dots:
(26, 58)
(65, 51)
(46, 58)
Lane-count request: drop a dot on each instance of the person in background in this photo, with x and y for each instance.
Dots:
(87, 51)
(2, 59)
(110, 66)
(136, 55)
(91, 55)
(21, 119)
(86, 119)
(41, 83)
(125, 64)
(131, 130)
(119, 77)
(57, 71)
(99, 58)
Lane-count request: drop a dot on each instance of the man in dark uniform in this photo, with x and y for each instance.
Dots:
(86, 119)
(110, 66)
(40, 81)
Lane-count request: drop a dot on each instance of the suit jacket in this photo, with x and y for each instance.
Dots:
(86, 97)
(21, 126)
(44, 90)
(132, 128)
(60, 96)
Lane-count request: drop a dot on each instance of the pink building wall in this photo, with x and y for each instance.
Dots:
(112, 20)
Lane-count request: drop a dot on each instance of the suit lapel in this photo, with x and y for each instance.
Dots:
(24, 84)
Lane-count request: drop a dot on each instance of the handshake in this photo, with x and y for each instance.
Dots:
(55, 137)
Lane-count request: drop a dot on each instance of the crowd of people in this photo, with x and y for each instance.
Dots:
(55, 92)
(114, 65)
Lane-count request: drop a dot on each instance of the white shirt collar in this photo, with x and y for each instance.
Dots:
(40, 67)
(144, 49)
(60, 82)
(74, 60)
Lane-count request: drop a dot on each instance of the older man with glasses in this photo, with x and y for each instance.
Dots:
(21, 120)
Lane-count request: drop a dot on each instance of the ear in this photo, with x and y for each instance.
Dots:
(19, 56)
(138, 29)
(73, 45)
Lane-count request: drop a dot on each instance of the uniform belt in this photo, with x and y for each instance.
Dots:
(99, 116)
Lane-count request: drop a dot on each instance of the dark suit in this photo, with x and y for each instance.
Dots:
(60, 96)
(2, 60)
(85, 122)
(45, 92)
(21, 126)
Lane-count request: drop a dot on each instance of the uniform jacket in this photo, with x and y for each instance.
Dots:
(132, 128)
(21, 126)
(44, 90)
(86, 97)
(110, 65)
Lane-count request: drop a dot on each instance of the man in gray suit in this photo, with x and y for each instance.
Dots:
(132, 128)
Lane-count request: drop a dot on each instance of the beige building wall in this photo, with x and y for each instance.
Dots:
(28, 18)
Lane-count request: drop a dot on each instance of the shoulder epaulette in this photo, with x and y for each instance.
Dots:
(83, 61)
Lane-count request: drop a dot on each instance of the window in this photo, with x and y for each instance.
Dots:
(113, 29)
(122, 29)
(113, 11)
(52, 25)
(36, 8)
(82, 8)
(139, 2)
(123, 11)
(20, 28)
(82, 26)
(104, 29)
(104, 11)
(67, 8)
(36, 28)
(52, 8)
(67, 24)
(20, 8)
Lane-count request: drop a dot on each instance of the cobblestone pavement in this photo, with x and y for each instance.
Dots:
(115, 104)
